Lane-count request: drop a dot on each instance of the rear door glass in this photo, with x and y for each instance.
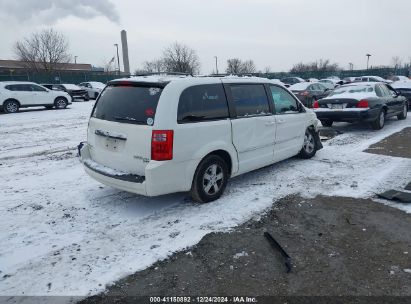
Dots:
(250, 100)
(202, 103)
(134, 104)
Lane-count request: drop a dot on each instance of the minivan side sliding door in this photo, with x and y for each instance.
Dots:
(290, 123)
(253, 125)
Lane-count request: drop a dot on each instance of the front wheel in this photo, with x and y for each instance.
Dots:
(210, 179)
(403, 114)
(60, 103)
(309, 149)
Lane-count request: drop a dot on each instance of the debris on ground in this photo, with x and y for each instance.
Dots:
(403, 197)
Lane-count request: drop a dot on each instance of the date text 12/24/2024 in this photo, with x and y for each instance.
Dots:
(203, 300)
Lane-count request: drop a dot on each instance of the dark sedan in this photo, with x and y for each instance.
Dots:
(308, 92)
(289, 81)
(75, 91)
(370, 102)
(404, 88)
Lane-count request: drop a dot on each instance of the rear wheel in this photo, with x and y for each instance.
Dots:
(309, 149)
(327, 123)
(404, 113)
(210, 179)
(60, 103)
(379, 122)
(11, 106)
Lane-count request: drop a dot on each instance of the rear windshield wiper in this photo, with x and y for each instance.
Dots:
(130, 119)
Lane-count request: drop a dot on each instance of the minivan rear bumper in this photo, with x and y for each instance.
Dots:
(160, 177)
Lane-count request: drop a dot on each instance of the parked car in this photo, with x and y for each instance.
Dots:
(289, 81)
(93, 88)
(157, 135)
(330, 83)
(370, 102)
(15, 95)
(308, 92)
(347, 80)
(400, 78)
(371, 79)
(75, 91)
(404, 88)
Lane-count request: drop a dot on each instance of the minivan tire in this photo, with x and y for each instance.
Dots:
(210, 179)
(309, 146)
(11, 106)
(403, 114)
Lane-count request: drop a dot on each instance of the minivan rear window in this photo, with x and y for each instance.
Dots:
(134, 104)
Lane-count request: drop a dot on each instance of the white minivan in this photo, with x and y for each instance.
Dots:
(157, 135)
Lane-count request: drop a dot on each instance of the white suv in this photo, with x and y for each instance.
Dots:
(15, 95)
(154, 135)
(93, 88)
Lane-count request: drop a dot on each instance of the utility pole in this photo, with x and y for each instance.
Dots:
(216, 64)
(118, 58)
(368, 60)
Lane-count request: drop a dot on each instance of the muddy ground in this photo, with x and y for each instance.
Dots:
(398, 144)
(338, 246)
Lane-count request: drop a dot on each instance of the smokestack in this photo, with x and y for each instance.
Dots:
(124, 45)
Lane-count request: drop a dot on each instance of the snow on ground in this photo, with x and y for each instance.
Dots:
(62, 233)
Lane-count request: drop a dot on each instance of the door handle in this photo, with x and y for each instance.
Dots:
(270, 123)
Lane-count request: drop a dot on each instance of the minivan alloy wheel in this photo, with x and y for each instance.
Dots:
(213, 179)
(309, 142)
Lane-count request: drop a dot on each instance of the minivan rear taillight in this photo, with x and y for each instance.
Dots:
(162, 145)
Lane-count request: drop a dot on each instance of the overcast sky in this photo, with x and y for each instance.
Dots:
(274, 33)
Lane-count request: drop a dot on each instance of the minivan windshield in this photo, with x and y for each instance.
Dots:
(133, 104)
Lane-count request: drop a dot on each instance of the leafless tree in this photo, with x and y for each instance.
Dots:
(154, 66)
(45, 50)
(180, 58)
(237, 66)
(317, 66)
(248, 66)
(234, 66)
(396, 62)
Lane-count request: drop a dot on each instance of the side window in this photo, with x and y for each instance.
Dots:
(37, 88)
(386, 91)
(202, 102)
(250, 100)
(10, 87)
(378, 91)
(283, 101)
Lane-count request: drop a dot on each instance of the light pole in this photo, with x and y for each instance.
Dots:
(351, 66)
(118, 58)
(216, 64)
(368, 59)
(75, 59)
